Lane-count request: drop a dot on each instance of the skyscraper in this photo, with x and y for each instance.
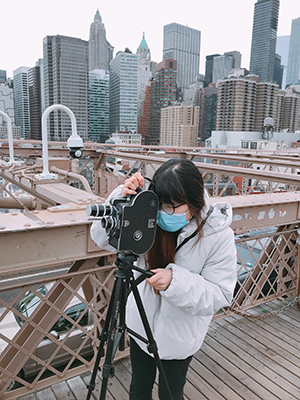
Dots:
(21, 100)
(208, 111)
(6, 101)
(236, 58)
(236, 104)
(179, 125)
(282, 48)
(182, 44)
(144, 73)
(2, 76)
(145, 118)
(209, 65)
(163, 94)
(278, 70)
(293, 68)
(291, 110)
(36, 95)
(266, 104)
(99, 105)
(222, 66)
(264, 36)
(66, 82)
(100, 50)
(244, 103)
(123, 92)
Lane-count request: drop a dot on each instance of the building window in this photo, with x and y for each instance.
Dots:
(245, 145)
(253, 145)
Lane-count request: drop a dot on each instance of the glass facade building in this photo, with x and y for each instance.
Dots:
(282, 48)
(36, 99)
(264, 35)
(293, 68)
(222, 66)
(123, 90)
(66, 82)
(182, 43)
(99, 105)
(21, 100)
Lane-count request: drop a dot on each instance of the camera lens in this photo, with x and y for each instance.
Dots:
(98, 210)
(109, 222)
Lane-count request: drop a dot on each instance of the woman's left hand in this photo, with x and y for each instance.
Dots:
(161, 279)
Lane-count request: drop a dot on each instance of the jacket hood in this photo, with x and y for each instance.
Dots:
(219, 219)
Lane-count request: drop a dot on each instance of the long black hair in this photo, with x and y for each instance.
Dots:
(177, 181)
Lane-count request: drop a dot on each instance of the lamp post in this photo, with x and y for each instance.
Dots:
(74, 138)
(10, 137)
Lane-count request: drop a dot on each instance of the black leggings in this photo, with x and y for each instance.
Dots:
(144, 372)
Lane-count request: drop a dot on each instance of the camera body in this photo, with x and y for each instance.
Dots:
(130, 222)
(75, 145)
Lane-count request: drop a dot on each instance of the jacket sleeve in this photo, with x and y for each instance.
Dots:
(98, 234)
(205, 293)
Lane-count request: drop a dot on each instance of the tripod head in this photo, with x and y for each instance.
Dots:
(124, 262)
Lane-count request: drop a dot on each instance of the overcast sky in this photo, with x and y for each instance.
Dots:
(225, 25)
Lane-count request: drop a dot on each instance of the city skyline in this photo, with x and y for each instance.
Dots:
(222, 28)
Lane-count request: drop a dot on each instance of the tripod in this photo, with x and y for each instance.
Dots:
(114, 332)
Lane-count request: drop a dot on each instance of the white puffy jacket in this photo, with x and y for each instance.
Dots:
(203, 281)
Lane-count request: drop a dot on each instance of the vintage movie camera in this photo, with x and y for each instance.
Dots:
(130, 222)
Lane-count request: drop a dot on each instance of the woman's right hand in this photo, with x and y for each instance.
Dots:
(132, 183)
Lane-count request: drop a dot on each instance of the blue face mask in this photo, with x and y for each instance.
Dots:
(171, 223)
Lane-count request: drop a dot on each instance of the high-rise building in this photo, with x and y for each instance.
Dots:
(221, 68)
(36, 99)
(192, 94)
(7, 102)
(282, 48)
(144, 73)
(66, 82)
(100, 50)
(291, 110)
(21, 100)
(266, 104)
(264, 36)
(280, 111)
(293, 68)
(236, 104)
(209, 65)
(182, 44)
(278, 70)
(244, 103)
(2, 76)
(163, 94)
(179, 125)
(123, 92)
(208, 111)
(144, 120)
(236, 58)
(99, 105)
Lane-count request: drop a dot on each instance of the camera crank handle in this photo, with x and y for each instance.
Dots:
(148, 273)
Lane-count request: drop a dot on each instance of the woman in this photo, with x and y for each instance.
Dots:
(194, 263)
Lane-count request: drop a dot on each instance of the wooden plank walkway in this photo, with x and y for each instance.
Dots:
(241, 359)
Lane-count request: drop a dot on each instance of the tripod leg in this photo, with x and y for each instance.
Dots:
(104, 336)
(152, 347)
(106, 370)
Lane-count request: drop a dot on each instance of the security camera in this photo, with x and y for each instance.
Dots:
(75, 144)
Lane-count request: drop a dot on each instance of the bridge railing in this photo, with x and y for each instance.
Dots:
(56, 283)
